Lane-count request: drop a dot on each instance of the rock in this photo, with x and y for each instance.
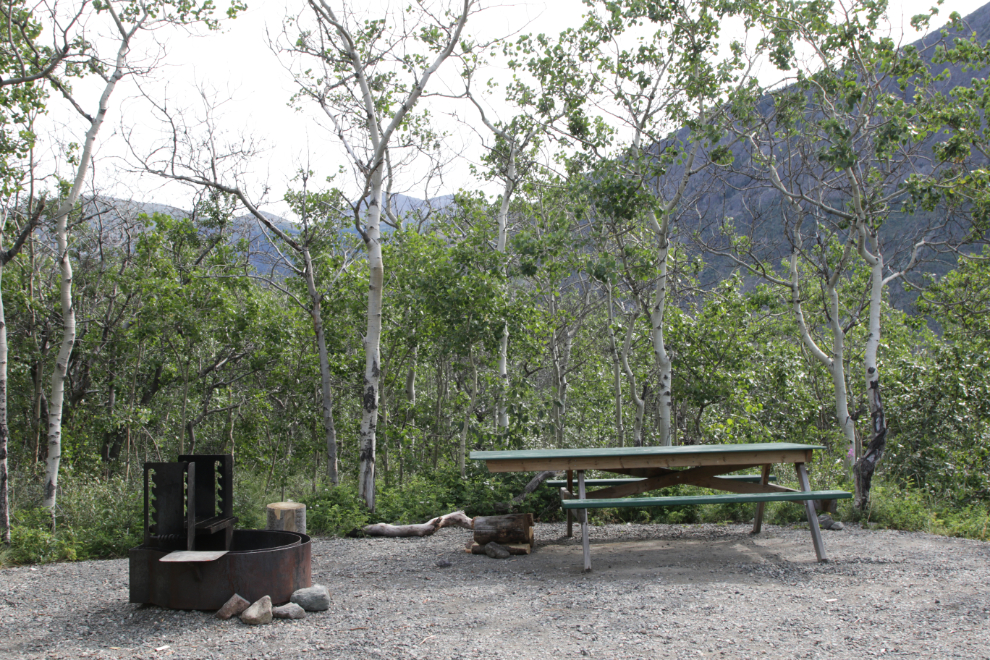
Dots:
(288, 611)
(233, 607)
(443, 563)
(837, 526)
(260, 612)
(496, 551)
(825, 521)
(312, 599)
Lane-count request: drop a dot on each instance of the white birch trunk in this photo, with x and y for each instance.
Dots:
(4, 435)
(665, 401)
(316, 314)
(834, 362)
(372, 346)
(631, 378)
(378, 140)
(562, 358)
(462, 450)
(503, 346)
(65, 267)
(867, 463)
(837, 367)
(620, 431)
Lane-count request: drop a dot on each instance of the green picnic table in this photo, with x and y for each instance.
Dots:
(707, 466)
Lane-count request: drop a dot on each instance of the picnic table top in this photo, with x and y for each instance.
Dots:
(585, 452)
(623, 459)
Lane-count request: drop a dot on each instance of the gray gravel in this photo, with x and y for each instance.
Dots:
(657, 591)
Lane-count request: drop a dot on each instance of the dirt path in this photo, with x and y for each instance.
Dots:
(657, 591)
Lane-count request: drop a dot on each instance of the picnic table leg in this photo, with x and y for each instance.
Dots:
(809, 505)
(585, 541)
(758, 519)
(570, 513)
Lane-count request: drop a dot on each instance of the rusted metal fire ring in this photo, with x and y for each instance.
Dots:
(259, 563)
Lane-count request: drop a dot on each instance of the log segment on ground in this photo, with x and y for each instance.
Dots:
(455, 519)
(286, 517)
(509, 529)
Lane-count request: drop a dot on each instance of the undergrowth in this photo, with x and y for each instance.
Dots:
(98, 518)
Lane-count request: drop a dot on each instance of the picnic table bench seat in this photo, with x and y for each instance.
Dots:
(558, 483)
(687, 500)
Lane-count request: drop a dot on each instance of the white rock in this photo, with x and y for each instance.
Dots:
(312, 599)
(259, 613)
(289, 611)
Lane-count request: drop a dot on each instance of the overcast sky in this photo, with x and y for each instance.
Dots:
(238, 65)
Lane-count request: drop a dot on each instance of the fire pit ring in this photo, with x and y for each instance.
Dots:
(259, 563)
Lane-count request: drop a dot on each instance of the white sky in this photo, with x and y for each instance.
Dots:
(237, 64)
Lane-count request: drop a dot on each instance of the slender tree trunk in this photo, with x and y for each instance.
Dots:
(561, 359)
(639, 402)
(620, 432)
(372, 345)
(838, 370)
(4, 487)
(659, 346)
(326, 392)
(410, 413)
(834, 362)
(185, 403)
(867, 463)
(469, 413)
(503, 345)
(68, 313)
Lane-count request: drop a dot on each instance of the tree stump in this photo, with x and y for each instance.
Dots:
(287, 517)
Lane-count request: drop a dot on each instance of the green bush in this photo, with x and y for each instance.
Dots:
(335, 511)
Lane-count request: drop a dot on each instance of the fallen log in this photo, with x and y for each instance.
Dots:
(455, 519)
(513, 528)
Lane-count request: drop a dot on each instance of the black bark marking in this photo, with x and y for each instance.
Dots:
(867, 465)
(370, 402)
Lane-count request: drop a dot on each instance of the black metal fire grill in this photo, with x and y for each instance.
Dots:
(192, 558)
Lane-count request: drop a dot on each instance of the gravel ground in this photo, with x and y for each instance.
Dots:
(657, 591)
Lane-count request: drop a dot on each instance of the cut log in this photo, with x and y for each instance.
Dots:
(287, 517)
(455, 519)
(513, 548)
(513, 528)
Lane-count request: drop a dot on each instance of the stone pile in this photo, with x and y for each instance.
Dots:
(311, 599)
